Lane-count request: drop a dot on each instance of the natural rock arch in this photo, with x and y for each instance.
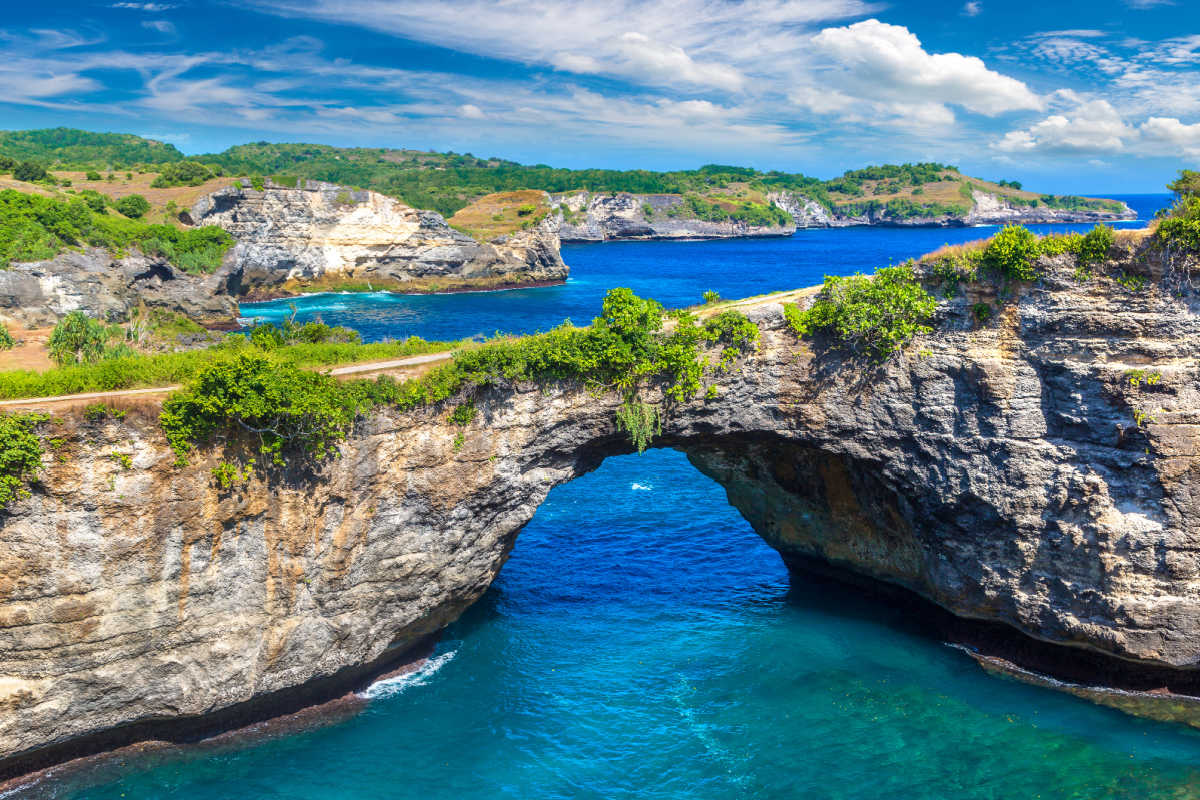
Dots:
(996, 471)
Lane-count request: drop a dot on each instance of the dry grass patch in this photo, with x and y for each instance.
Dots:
(502, 213)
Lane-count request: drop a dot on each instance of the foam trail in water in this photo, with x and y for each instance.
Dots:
(389, 687)
(640, 487)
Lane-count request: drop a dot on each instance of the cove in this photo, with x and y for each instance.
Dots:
(643, 642)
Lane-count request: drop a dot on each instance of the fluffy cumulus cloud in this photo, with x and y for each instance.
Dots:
(1096, 126)
(883, 62)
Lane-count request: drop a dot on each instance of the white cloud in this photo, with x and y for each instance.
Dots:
(973, 8)
(1093, 127)
(471, 111)
(1167, 133)
(160, 25)
(1143, 4)
(153, 8)
(875, 60)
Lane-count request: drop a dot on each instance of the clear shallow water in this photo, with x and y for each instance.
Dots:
(642, 642)
(675, 273)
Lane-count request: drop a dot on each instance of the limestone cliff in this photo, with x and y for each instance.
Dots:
(588, 217)
(40, 293)
(986, 208)
(319, 235)
(1010, 471)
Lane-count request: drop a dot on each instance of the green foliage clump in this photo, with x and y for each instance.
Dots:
(77, 339)
(1093, 246)
(34, 228)
(182, 173)
(6, 339)
(133, 206)
(640, 421)
(227, 474)
(870, 315)
(982, 312)
(288, 410)
(711, 297)
(1013, 253)
(30, 171)
(270, 336)
(1182, 227)
(463, 414)
(1187, 184)
(98, 412)
(92, 175)
(85, 148)
(20, 455)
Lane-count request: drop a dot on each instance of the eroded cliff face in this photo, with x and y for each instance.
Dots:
(620, 215)
(40, 293)
(999, 470)
(320, 235)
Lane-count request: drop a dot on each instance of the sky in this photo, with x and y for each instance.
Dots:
(1069, 96)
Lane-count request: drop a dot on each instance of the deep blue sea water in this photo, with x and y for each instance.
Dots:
(642, 642)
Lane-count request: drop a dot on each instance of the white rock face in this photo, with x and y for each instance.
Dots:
(320, 232)
(598, 217)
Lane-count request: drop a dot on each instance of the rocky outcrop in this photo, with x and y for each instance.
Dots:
(986, 209)
(319, 235)
(1010, 472)
(588, 217)
(38, 294)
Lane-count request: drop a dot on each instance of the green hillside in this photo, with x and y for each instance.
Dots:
(449, 182)
(68, 147)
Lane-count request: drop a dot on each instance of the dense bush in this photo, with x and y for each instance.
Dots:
(34, 228)
(6, 339)
(182, 173)
(1182, 227)
(1187, 184)
(1012, 252)
(30, 171)
(133, 206)
(20, 455)
(869, 315)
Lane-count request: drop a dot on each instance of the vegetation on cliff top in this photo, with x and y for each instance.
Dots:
(448, 182)
(294, 415)
(34, 228)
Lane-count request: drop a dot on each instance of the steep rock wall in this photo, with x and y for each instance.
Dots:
(997, 470)
(320, 234)
(603, 217)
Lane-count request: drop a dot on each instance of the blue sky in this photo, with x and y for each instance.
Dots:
(1095, 96)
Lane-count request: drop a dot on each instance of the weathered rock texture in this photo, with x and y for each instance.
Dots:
(40, 293)
(320, 234)
(986, 209)
(997, 470)
(588, 217)
(601, 217)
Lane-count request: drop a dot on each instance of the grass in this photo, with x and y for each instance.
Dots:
(500, 214)
(164, 369)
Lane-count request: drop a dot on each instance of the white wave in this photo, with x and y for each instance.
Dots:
(641, 487)
(389, 687)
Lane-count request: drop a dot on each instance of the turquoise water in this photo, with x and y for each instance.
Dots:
(642, 642)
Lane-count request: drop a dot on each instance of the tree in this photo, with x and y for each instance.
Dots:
(133, 206)
(77, 339)
(30, 171)
(1187, 184)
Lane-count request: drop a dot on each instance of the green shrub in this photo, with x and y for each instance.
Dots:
(92, 175)
(874, 316)
(289, 410)
(1182, 227)
(77, 339)
(133, 206)
(97, 412)
(1013, 253)
(1093, 246)
(711, 297)
(640, 421)
(463, 414)
(20, 455)
(982, 312)
(181, 173)
(30, 171)
(6, 339)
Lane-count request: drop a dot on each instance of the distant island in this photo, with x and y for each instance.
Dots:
(712, 201)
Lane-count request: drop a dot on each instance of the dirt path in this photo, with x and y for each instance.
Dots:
(393, 366)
